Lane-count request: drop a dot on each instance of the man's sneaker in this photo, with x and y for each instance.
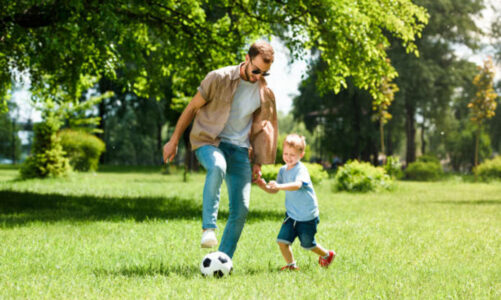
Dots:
(209, 239)
(326, 262)
(290, 268)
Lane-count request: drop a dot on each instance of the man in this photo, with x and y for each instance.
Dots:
(235, 123)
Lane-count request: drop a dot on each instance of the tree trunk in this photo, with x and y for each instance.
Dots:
(423, 142)
(159, 140)
(477, 142)
(14, 134)
(356, 127)
(410, 132)
(381, 134)
(389, 140)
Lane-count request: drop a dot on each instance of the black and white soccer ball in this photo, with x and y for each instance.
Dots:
(216, 264)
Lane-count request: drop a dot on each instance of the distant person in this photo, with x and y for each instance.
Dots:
(235, 118)
(301, 217)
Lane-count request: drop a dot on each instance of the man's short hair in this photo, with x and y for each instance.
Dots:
(295, 141)
(264, 49)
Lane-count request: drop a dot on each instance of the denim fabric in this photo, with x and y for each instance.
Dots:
(304, 230)
(231, 163)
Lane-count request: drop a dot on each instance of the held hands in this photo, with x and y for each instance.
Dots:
(273, 185)
(256, 173)
(170, 150)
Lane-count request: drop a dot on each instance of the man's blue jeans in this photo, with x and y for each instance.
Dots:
(229, 162)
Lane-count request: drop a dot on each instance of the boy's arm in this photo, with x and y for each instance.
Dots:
(290, 186)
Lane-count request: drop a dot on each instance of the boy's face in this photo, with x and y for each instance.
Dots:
(291, 155)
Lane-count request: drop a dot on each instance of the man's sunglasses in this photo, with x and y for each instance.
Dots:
(257, 71)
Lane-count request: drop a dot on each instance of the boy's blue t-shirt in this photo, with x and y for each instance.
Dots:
(301, 205)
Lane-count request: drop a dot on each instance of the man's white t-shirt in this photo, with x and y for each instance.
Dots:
(245, 102)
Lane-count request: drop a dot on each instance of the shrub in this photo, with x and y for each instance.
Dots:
(423, 171)
(47, 157)
(83, 149)
(428, 158)
(317, 173)
(355, 176)
(489, 169)
(393, 167)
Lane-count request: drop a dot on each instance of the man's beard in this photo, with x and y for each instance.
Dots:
(247, 73)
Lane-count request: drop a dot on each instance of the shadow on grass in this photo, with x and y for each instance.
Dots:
(19, 208)
(185, 271)
(469, 202)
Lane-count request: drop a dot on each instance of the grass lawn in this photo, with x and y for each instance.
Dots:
(136, 235)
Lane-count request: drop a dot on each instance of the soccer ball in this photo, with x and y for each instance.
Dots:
(216, 264)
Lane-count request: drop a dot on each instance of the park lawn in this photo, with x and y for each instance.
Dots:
(136, 235)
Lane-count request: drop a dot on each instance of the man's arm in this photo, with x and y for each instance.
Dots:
(170, 148)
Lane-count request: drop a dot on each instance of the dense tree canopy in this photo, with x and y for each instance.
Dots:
(71, 43)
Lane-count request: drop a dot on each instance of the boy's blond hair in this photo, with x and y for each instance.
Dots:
(295, 141)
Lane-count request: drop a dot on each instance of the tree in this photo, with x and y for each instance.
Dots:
(72, 40)
(427, 83)
(345, 118)
(10, 144)
(483, 106)
(382, 105)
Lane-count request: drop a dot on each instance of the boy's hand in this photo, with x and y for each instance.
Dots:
(273, 185)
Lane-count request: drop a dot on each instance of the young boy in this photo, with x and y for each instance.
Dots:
(301, 206)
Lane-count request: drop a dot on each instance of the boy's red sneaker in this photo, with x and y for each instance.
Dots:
(289, 268)
(326, 262)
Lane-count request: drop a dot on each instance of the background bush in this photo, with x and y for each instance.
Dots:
(489, 169)
(424, 171)
(83, 149)
(393, 167)
(355, 176)
(426, 158)
(317, 172)
(47, 156)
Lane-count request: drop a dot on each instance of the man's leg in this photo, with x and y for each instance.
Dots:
(213, 160)
(238, 180)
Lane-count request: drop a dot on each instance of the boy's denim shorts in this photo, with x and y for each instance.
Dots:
(304, 230)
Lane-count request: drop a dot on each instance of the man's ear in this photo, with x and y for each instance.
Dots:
(247, 58)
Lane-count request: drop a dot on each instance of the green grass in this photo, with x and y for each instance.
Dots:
(136, 235)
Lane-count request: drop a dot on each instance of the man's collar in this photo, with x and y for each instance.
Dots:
(235, 74)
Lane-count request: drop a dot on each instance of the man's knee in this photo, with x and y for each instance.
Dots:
(240, 215)
(218, 168)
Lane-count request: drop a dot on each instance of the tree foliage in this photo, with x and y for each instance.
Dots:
(483, 106)
(427, 83)
(65, 43)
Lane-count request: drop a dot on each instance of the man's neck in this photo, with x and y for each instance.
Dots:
(243, 73)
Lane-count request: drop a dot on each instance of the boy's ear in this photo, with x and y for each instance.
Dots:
(302, 154)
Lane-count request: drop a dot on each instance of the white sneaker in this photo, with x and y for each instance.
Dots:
(209, 239)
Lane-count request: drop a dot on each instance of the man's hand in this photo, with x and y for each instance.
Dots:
(170, 150)
(256, 173)
(261, 183)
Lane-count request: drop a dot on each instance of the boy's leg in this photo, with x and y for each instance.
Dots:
(320, 250)
(306, 232)
(213, 160)
(285, 238)
(286, 252)
(238, 181)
